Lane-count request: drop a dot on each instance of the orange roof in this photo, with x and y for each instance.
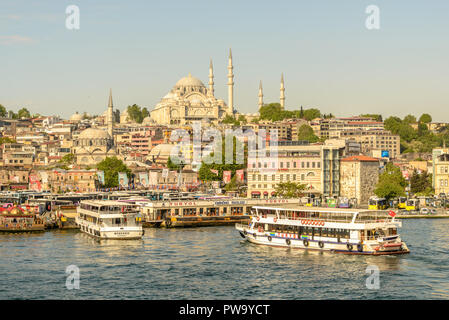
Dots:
(360, 158)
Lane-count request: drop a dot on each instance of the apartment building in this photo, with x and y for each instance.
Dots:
(373, 139)
(440, 162)
(316, 166)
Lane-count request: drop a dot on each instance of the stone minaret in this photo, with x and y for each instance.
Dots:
(282, 92)
(110, 116)
(230, 85)
(211, 79)
(260, 95)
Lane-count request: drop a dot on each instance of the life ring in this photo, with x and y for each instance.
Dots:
(288, 241)
(305, 243)
(321, 244)
(323, 223)
(349, 246)
(302, 221)
(360, 247)
(269, 238)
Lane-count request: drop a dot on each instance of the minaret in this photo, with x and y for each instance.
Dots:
(260, 95)
(110, 116)
(230, 85)
(282, 93)
(211, 79)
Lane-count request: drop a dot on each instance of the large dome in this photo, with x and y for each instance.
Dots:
(76, 117)
(92, 133)
(189, 81)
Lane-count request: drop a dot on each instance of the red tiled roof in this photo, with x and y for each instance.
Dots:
(360, 158)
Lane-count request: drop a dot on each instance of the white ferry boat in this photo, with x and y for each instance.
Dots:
(106, 219)
(347, 231)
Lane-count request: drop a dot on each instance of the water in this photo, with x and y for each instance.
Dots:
(215, 263)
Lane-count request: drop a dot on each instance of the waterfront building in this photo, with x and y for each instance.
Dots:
(440, 162)
(358, 177)
(315, 165)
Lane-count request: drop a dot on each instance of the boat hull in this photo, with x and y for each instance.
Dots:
(345, 247)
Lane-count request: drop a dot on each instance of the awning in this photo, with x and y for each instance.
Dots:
(266, 192)
(255, 192)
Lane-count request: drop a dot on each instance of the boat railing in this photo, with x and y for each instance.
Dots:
(242, 225)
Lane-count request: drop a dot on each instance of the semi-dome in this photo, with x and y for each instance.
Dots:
(189, 81)
(93, 133)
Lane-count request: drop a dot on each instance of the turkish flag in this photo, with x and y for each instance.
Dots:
(392, 213)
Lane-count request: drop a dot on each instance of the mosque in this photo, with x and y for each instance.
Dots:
(93, 144)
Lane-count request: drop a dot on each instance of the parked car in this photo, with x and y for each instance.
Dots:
(424, 211)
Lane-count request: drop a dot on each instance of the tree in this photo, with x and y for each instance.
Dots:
(425, 118)
(205, 172)
(409, 119)
(391, 183)
(111, 167)
(3, 112)
(6, 140)
(305, 133)
(68, 159)
(421, 183)
(310, 114)
(171, 165)
(136, 114)
(289, 189)
(376, 117)
(23, 113)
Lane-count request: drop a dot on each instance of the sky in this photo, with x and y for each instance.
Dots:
(140, 49)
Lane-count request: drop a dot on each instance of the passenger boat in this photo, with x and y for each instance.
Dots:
(200, 213)
(17, 219)
(347, 231)
(106, 219)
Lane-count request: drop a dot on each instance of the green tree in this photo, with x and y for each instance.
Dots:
(391, 183)
(3, 112)
(409, 119)
(421, 183)
(205, 172)
(171, 165)
(305, 133)
(111, 167)
(136, 114)
(376, 117)
(290, 189)
(310, 114)
(425, 118)
(68, 159)
(23, 113)
(6, 140)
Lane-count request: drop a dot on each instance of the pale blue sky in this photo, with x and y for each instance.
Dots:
(141, 48)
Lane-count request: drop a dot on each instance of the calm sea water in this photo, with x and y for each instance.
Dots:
(214, 263)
